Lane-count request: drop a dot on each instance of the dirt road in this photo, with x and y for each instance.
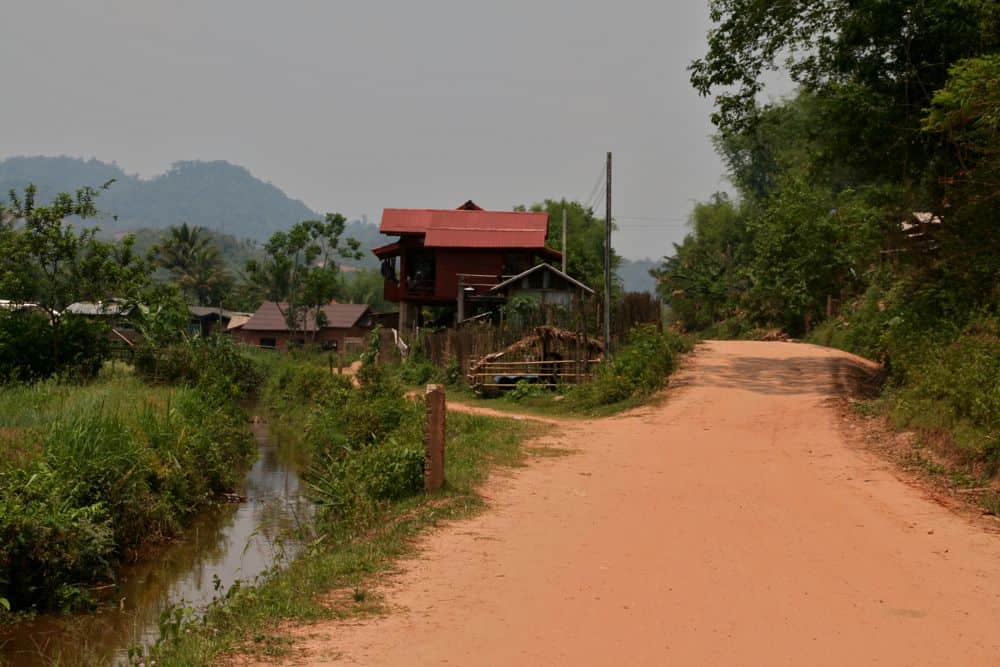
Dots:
(731, 525)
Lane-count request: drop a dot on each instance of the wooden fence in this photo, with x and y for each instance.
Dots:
(560, 359)
(551, 373)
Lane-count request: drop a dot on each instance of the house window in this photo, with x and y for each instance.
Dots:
(269, 343)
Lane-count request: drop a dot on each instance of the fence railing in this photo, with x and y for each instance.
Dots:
(551, 373)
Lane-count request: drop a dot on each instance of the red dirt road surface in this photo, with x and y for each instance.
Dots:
(731, 525)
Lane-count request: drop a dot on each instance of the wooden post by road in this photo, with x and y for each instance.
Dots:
(434, 400)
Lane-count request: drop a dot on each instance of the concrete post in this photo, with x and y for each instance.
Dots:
(434, 400)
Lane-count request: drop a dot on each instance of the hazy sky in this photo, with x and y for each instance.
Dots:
(356, 106)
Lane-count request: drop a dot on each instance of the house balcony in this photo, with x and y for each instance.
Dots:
(412, 290)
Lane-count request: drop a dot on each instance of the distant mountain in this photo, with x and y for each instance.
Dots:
(219, 196)
(216, 195)
(634, 274)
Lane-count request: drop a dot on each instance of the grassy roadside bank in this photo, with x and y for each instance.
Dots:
(942, 386)
(366, 521)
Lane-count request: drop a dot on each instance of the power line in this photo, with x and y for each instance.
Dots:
(646, 225)
(594, 197)
(592, 204)
(650, 219)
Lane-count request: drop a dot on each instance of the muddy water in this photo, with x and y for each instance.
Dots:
(236, 541)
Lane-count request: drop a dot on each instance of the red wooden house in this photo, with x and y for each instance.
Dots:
(436, 247)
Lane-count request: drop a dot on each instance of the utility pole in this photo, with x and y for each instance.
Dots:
(607, 261)
(564, 237)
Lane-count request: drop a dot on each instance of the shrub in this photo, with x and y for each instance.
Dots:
(49, 543)
(292, 385)
(418, 371)
(28, 349)
(213, 363)
(523, 390)
(353, 483)
(113, 465)
(453, 372)
(365, 442)
(957, 387)
(641, 366)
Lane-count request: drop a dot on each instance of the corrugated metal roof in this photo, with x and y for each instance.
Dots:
(484, 238)
(110, 308)
(467, 228)
(208, 311)
(338, 316)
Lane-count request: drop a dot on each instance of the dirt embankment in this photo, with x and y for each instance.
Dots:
(731, 525)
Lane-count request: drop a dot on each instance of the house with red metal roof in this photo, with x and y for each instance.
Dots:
(442, 254)
(340, 325)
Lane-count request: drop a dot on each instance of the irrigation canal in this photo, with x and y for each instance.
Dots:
(228, 543)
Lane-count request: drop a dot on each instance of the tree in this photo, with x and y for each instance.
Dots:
(363, 286)
(193, 260)
(704, 279)
(300, 272)
(48, 262)
(808, 244)
(584, 241)
(874, 63)
(966, 111)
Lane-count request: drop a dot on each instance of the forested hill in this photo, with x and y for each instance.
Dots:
(216, 195)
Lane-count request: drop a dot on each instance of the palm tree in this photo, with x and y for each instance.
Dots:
(193, 260)
(207, 278)
(178, 247)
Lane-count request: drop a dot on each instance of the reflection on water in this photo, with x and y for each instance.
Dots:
(228, 543)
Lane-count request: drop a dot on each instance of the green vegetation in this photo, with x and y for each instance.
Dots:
(45, 265)
(585, 241)
(640, 367)
(955, 388)
(362, 448)
(299, 269)
(213, 364)
(195, 264)
(866, 209)
(90, 475)
(27, 341)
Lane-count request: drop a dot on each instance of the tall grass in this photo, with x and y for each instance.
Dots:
(361, 446)
(956, 388)
(91, 474)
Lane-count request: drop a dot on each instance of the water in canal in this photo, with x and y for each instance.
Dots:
(232, 542)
